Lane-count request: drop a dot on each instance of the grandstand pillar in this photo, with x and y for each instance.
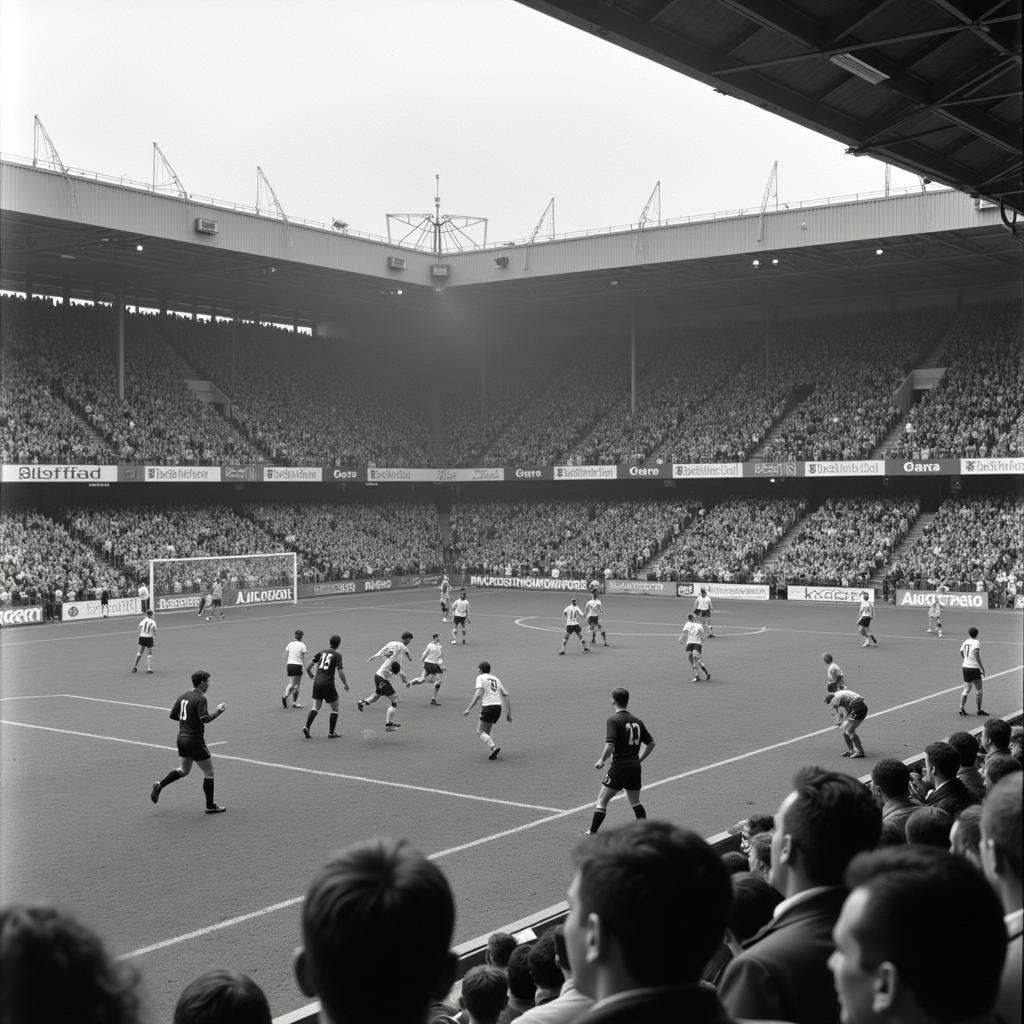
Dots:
(28, 286)
(483, 380)
(119, 312)
(65, 290)
(632, 359)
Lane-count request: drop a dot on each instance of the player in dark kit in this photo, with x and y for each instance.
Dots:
(327, 662)
(627, 743)
(191, 713)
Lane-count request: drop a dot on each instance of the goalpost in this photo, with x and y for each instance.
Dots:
(177, 584)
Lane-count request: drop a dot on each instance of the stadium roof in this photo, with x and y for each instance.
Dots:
(931, 86)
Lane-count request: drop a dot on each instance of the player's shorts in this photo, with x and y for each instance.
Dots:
(972, 675)
(865, 621)
(104, 600)
(592, 620)
(858, 711)
(293, 670)
(622, 776)
(217, 602)
(444, 605)
(325, 691)
(430, 669)
(835, 684)
(704, 613)
(569, 630)
(194, 750)
(382, 687)
(458, 620)
(694, 647)
(146, 641)
(490, 713)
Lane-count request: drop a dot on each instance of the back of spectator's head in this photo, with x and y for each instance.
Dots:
(967, 746)
(1002, 834)
(942, 759)
(649, 903)
(965, 835)
(825, 821)
(543, 963)
(997, 766)
(929, 826)
(735, 862)
(898, 956)
(484, 993)
(758, 823)
(760, 859)
(375, 895)
(753, 901)
(53, 968)
(520, 981)
(499, 948)
(995, 734)
(222, 997)
(891, 777)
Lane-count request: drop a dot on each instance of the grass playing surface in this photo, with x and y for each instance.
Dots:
(179, 892)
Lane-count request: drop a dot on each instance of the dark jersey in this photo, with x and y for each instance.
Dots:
(327, 663)
(188, 711)
(625, 732)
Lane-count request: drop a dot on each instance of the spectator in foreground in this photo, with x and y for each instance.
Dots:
(500, 946)
(890, 780)
(547, 975)
(570, 1004)
(372, 896)
(897, 959)
(1002, 859)
(941, 764)
(753, 901)
(968, 747)
(222, 997)
(521, 986)
(782, 974)
(998, 766)
(930, 826)
(484, 994)
(648, 906)
(53, 968)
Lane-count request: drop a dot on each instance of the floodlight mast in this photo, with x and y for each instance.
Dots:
(770, 190)
(266, 196)
(550, 208)
(449, 233)
(53, 159)
(653, 205)
(161, 161)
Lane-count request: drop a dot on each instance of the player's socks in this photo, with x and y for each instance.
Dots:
(170, 777)
(595, 821)
(208, 792)
(309, 718)
(332, 721)
(873, 640)
(639, 810)
(486, 737)
(284, 700)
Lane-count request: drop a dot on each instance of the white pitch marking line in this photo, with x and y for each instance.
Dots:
(556, 816)
(752, 631)
(297, 768)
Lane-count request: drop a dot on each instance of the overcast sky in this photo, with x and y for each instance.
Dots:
(352, 106)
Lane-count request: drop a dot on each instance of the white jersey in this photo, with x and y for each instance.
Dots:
(460, 608)
(694, 632)
(573, 613)
(143, 592)
(702, 604)
(970, 651)
(432, 653)
(217, 591)
(295, 653)
(445, 588)
(835, 678)
(393, 651)
(867, 610)
(492, 687)
(935, 610)
(147, 627)
(594, 608)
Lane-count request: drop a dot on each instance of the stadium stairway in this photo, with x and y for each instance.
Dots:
(771, 561)
(916, 530)
(793, 399)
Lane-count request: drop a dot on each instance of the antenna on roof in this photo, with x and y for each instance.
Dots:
(161, 162)
(652, 206)
(52, 159)
(449, 233)
(266, 197)
(770, 190)
(533, 234)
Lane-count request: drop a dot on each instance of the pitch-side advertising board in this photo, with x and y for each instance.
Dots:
(73, 611)
(947, 599)
(29, 615)
(735, 591)
(829, 595)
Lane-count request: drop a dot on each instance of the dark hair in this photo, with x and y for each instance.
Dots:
(484, 991)
(407, 635)
(53, 968)
(761, 845)
(396, 667)
(967, 746)
(916, 894)
(735, 862)
(520, 981)
(929, 826)
(998, 766)
(543, 965)
(484, 666)
(973, 632)
(892, 835)
(997, 731)
(942, 758)
(833, 818)
(1001, 822)
(892, 777)
(200, 676)
(335, 641)
(753, 901)
(968, 833)
(374, 895)
(222, 997)
(760, 823)
(621, 696)
(645, 881)
(499, 948)
(299, 634)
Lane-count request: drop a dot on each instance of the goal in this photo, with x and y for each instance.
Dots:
(177, 584)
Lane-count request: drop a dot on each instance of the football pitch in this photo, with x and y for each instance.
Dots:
(178, 892)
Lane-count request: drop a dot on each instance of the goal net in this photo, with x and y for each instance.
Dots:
(176, 584)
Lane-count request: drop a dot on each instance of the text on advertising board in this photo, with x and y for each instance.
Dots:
(21, 616)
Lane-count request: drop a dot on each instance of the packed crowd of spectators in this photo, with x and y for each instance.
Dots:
(846, 541)
(977, 409)
(570, 537)
(974, 543)
(727, 542)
